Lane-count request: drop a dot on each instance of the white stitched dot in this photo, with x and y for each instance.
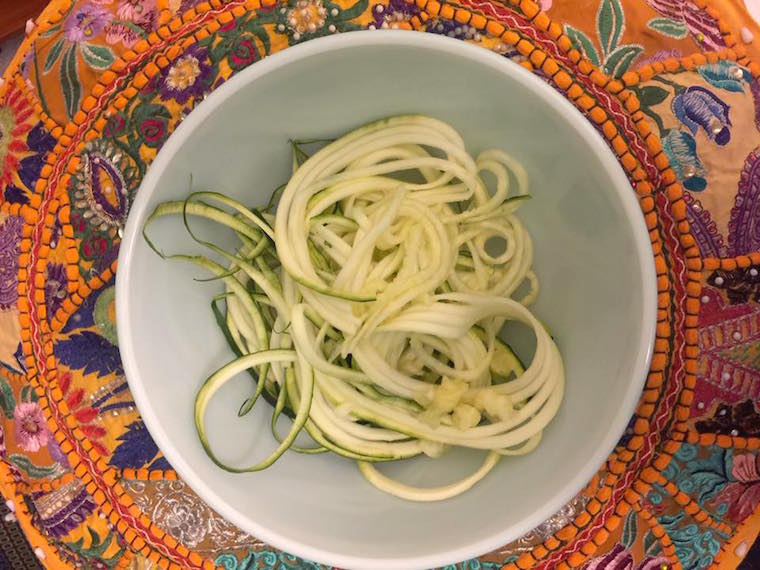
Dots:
(737, 335)
(11, 505)
(747, 35)
(719, 281)
(705, 299)
(734, 432)
(29, 26)
(39, 553)
(722, 412)
(10, 517)
(753, 272)
(700, 405)
(725, 376)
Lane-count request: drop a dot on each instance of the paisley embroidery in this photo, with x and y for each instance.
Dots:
(744, 225)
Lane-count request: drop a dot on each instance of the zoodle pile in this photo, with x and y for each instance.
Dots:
(367, 306)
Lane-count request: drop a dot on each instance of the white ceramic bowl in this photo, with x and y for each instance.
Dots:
(592, 256)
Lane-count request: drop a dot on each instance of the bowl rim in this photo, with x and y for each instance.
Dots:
(479, 56)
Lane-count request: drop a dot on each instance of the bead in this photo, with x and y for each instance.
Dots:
(379, 9)
(737, 335)
(736, 72)
(741, 549)
(334, 12)
(747, 35)
(331, 28)
(734, 432)
(719, 281)
(39, 553)
(726, 376)
(753, 272)
(705, 299)
(689, 170)
(29, 27)
(700, 405)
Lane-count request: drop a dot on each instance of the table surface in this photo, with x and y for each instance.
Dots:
(671, 85)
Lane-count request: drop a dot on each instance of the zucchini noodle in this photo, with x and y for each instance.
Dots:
(368, 307)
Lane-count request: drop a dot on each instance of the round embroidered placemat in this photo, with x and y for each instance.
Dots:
(97, 87)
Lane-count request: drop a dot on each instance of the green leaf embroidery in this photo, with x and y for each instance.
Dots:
(650, 95)
(610, 23)
(72, 90)
(34, 471)
(7, 400)
(619, 60)
(630, 530)
(97, 57)
(668, 27)
(582, 42)
(53, 55)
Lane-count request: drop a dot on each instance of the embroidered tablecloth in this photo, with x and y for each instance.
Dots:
(97, 87)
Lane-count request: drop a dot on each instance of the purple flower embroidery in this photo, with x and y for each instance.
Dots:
(86, 22)
(55, 287)
(142, 13)
(700, 24)
(395, 11)
(10, 236)
(134, 10)
(697, 107)
(620, 558)
(30, 426)
(188, 76)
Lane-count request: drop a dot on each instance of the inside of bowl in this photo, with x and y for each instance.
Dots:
(593, 299)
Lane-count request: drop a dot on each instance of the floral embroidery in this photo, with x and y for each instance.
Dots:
(10, 235)
(614, 58)
(135, 19)
(85, 22)
(30, 426)
(620, 558)
(699, 23)
(306, 19)
(85, 413)
(189, 76)
(13, 125)
(697, 107)
(743, 492)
